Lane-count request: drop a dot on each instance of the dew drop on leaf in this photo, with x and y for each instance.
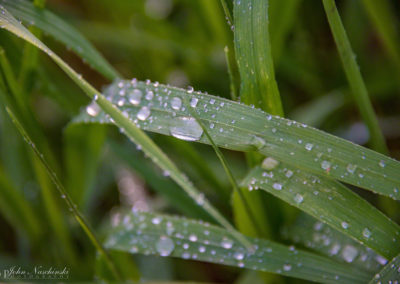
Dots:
(186, 128)
(349, 253)
(277, 186)
(366, 233)
(309, 146)
(193, 102)
(351, 168)
(135, 97)
(165, 246)
(143, 113)
(269, 163)
(93, 109)
(176, 103)
(226, 243)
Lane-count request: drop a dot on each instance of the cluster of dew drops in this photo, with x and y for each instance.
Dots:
(179, 238)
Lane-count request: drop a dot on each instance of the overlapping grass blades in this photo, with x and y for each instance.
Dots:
(153, 234)
(239, 127)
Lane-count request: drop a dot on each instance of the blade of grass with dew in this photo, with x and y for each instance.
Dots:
(254, 56)
(354, 77)
(8, 22)
(389, 274)
(239, 127)
(64, 195)
(382, 17)
(321, 238)
(258, 228)
(60, 30)
(330, 202)
(155, 234)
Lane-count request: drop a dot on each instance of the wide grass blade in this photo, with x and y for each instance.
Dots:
(389, 274)
(354, 77)
(153, 234)
(8, 22)
(254, 56)
(323, 239)
(239, 127)
(60, 30)
(330, 202)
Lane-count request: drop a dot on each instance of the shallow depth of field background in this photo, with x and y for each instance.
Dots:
(181, 43)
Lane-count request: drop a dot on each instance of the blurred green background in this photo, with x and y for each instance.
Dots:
(179, 42)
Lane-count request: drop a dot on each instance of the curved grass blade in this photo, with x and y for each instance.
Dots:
(60, 30)
(354, 77)
(8, 22)
(64, 195)
(153, 234)
(322, 238)
(254, 56)
(330, 202)
(389, 274)
(239, 127)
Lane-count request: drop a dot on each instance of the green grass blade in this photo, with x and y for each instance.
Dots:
(239, 127)
(8, 22)
(323, 239)
(330, 202)
(354, 77)
(64, 195)
(153, 234)
(389, 274)
(60, 30)
(384, 20)
(254, 56)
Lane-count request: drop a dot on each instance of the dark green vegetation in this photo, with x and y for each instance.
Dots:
(282, 198)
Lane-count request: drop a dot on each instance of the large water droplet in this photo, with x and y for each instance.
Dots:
(93, 109)
(325, 165)
(349, 253)
(366, 233)
(193, 102)
(186, 128)
(269, 163)
(143, 113)
(344, 225)
(149, 95)
(277, 186)
(298, 198)
(238, 255)
(176, 103)
(165, 246)
(227, 243)
(135, 96)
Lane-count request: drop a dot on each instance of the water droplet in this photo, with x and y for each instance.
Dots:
(382, 163)
(93, 109)
(226, 243)
(156, 220)
(212, 101)
(143, 113)
(298, 198)
(149, 95)
(258, 142)
(344, 225)
(349, 253)
(269, 163)
(176, 103)
(351, 168)
(193, 102)
(277, 186)
(309, 146)
(366, 233)
(186, 128)
(193, 238)
(202, 249)
(238, 255)
(135, 96)
(165, 246)
(190, 89)
(287, 267)
(289, 173)
(325, 165)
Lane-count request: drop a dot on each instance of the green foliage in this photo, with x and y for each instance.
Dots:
(279, 181)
